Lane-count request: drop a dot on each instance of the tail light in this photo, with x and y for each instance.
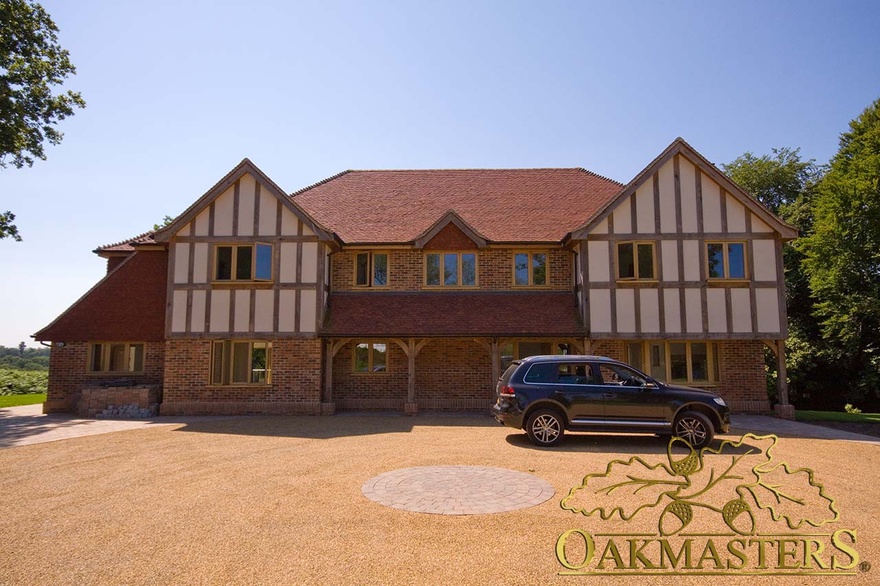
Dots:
(508, 391)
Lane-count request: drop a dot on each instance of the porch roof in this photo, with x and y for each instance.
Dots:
(458, 314)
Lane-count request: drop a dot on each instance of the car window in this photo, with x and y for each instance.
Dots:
(575, 374)
(541, 372)
(615, 374)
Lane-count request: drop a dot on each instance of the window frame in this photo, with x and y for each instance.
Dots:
(713, 365)
(227, 365)
(442, 254)
(105, 357)
(725, 260)
(371, 269)
(635, 244)
(531, 270)
(370, 367)
(234, 262)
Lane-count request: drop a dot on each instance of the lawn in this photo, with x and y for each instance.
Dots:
(837, 416)
(19, 400)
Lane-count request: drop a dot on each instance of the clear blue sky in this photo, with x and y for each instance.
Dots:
(179, 92)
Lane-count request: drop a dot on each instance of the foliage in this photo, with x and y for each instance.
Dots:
(166, 220)
(837, 416)
(850, 409)
(19, 400)
(21, 382)
(31, 63)
(24, 359)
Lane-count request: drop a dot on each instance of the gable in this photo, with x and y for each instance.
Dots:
(450, 237)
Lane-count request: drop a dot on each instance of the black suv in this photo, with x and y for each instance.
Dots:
(545, 395)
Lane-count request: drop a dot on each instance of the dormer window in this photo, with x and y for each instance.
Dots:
(371, 269)
(451, 269)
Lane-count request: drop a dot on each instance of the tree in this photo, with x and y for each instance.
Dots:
(842, 255)
(778, 181)
(31, 63)
(21, 348)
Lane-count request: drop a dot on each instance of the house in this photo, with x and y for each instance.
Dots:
(413, 290)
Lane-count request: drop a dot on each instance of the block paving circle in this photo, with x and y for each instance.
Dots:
(457, 490)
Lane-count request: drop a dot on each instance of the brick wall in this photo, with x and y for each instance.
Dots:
(373, 390)
(69, 374)
(743, 382)
(295, 386)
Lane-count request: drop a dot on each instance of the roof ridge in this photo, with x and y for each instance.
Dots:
(444, 169)
(126, 241)
(594, 174)
(319, 183)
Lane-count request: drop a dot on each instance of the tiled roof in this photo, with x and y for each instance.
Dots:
(504, 205)
(128, 245)
(452, 314)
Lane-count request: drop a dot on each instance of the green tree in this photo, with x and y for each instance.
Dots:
(842, 255)
(31, 64)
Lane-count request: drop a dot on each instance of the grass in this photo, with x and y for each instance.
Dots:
(837, 416)
(19, 400)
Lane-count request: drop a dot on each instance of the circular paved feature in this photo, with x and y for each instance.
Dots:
(457, 490)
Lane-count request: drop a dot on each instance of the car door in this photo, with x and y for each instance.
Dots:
(585, 400)
(627, 397)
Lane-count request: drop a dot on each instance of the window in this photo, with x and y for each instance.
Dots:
(451, 269)
(371, 269)
(117, 357)
(553, 372)
(635, 260)
(677, 362)
(727, 260)
(530, 269)
(370, 357)
(241, 363)
(613, 374)
(243, 262)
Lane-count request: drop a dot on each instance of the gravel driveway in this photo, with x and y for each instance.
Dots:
(278, 500)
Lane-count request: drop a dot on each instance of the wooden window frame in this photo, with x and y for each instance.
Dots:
(370, 368)
(636, 276)
(712, 357)
(531, 274)
(234, 265)
(105, 357)
(458, 285)
(228, 363)
(725, 260)
(371, 270)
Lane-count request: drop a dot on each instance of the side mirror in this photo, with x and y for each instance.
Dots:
(649, 385)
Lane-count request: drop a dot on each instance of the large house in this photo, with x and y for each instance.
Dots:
(413, 290)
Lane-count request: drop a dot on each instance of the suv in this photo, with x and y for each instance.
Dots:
(545, 395)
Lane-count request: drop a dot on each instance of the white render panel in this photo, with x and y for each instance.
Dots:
(600, 310)
(223, 207)
(672, 310)
(268, 213)
(310, 262)
(759, 225)
(767, 301)
(601, 228)
(765, 260)
(598, 263)
(667, 198)
(688, 195)
(717, 310)
(197, 323)
(247, 188)
(736, 216)
(242, 311)
(289, 222)
(288, 262)
(741, 308)
(691, 252)
(626, 310)
(307, 231)
(220, 311)
(202, 223)
(178, 312)
(693, 310)
(645, 208)
(711, 205)
(200, 263)
(669, 258)
(287, 311)
(181, 262)
(264, 311)
(307, 310)
(649, 302)
(623, 218)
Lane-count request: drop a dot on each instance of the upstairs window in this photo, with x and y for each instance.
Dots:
(370, 357)
(635, 260)
(530, 269)
(117, 357)
(451, 269)
(243, 262)
(371, 269)
(727, 260)
(241, 363)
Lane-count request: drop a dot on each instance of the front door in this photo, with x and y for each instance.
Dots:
(628, 399)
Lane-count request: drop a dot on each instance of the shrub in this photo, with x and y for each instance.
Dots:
(23, 382)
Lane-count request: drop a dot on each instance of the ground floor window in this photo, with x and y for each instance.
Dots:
(116, 357)
(241, 362)
(676, 362)
(370, 357)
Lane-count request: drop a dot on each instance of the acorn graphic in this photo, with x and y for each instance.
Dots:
(738, 516)
(675, 517)
(687, 465)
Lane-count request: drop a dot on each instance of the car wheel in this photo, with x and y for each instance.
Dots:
(694, 428)
(545, 427)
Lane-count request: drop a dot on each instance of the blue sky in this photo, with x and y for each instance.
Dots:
(179, 92)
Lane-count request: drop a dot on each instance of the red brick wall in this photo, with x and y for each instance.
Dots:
(743, 382)
(454, 375)
(295, 387)
(69, 373)
(374, 390)
(450, 238)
